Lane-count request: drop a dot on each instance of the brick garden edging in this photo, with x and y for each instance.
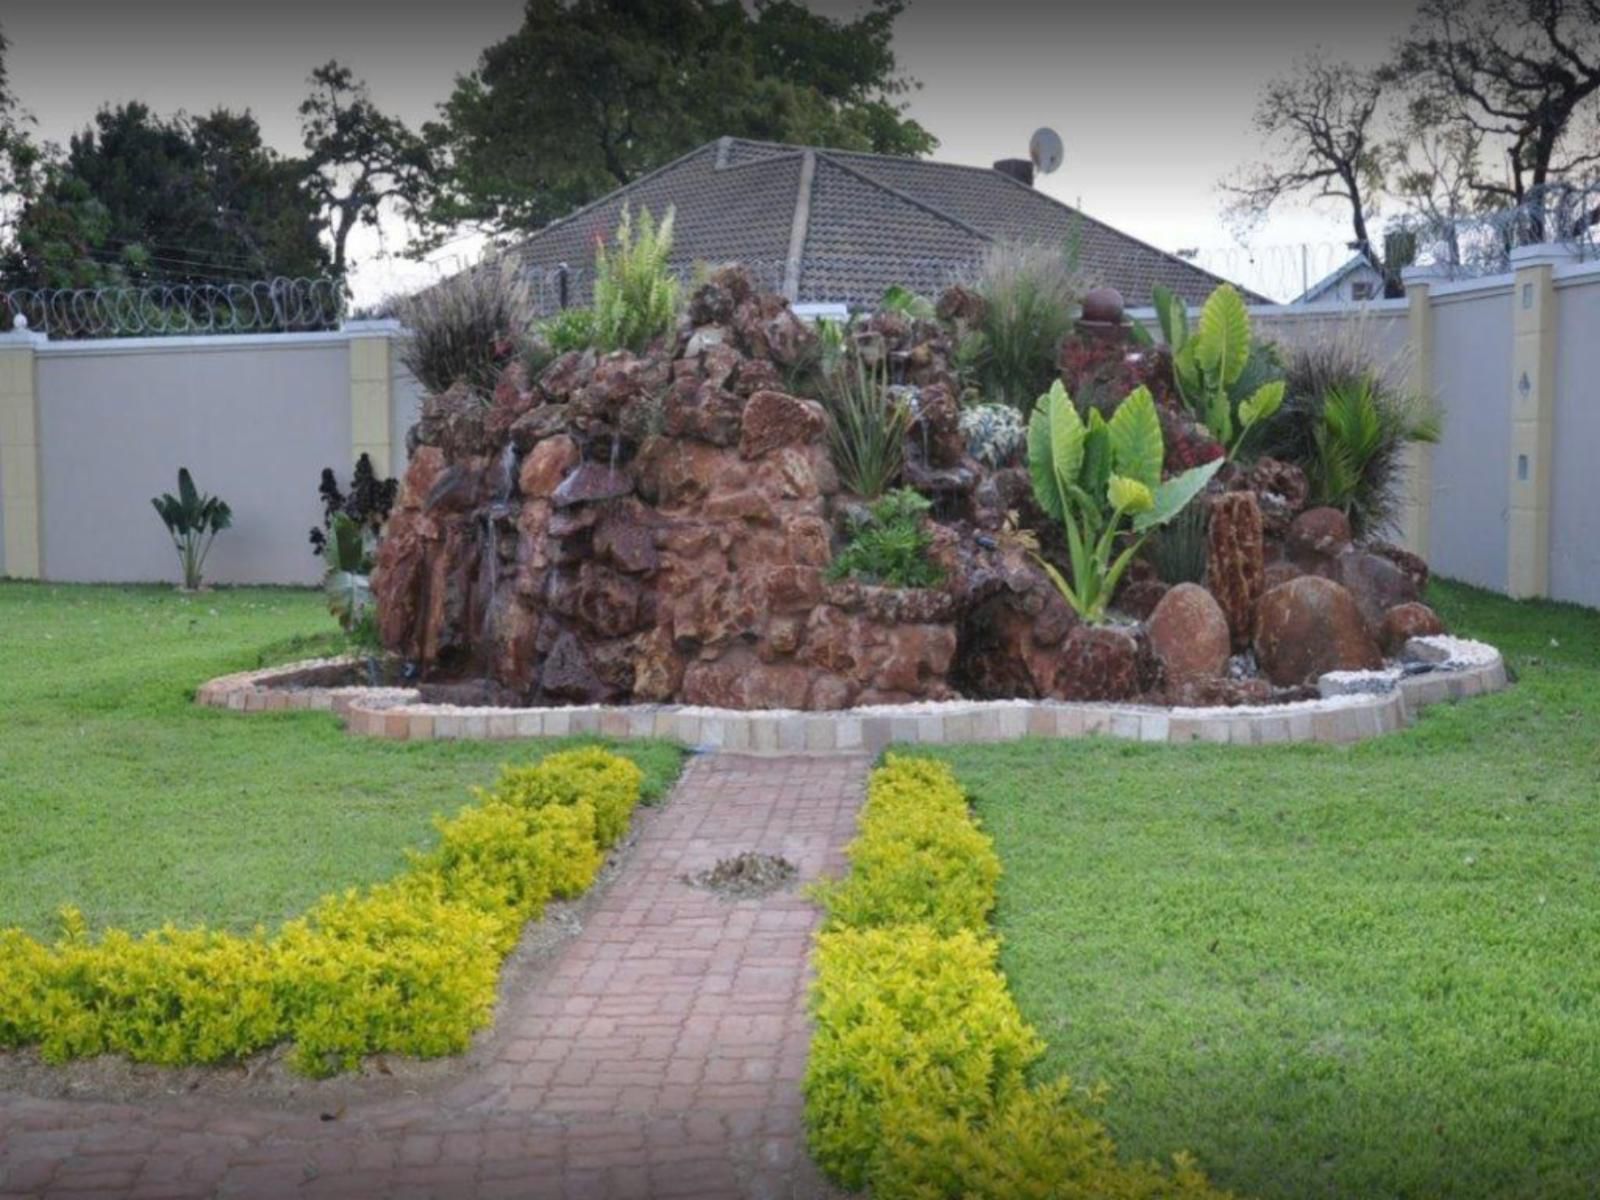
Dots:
(1355, 706)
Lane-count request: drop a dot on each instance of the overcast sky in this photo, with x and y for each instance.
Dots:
(1152, 99)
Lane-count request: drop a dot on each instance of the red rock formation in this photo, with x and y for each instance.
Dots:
(1235, 562)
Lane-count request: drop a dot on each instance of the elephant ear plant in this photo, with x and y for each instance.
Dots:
(1209, 362)
(1102, 480)
(193, 519)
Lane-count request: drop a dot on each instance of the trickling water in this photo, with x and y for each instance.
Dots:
(616, 450)
(374, 676)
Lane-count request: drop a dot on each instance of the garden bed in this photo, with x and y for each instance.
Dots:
(1352, 706)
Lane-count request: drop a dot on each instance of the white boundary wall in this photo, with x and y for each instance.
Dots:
(90, 430)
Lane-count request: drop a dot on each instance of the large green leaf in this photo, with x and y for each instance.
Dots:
(1055, 449)
(1268, 399)
(1172, 315)
(1098, 459)
(1224, 333)
(1137, 450)
(1173, 496)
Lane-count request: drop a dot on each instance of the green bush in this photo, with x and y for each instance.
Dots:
(917, 1082)
(890, 546)
(409, 966)
(635, 292)
(1346, 423)
(570, 329)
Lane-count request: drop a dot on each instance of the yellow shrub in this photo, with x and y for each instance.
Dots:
(1036, 1145)
(920, 858)
(904, 1016)
(916, 1082)
(607, 781)
(408, 966)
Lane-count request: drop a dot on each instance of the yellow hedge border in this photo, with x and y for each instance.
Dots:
(917, 1081)
(408, 966)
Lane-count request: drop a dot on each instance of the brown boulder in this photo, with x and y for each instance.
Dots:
(1309, 626)
(567, 374)
(1098, 662)
(1140, 598)
(546, 465)
(1377, 584)
(773, 419)
(703, 412)
(1189, 634)
(538, 423)
(1318, 534)
(1281, 572)
(1405, 621)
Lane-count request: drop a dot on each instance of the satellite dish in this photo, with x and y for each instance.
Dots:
(1044, 148)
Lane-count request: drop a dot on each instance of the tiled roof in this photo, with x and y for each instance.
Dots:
(868, 221)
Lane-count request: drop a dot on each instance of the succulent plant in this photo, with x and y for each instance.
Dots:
(995, 433)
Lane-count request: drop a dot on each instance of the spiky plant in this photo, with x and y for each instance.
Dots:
(1031, 297)
(866, 435)
(467, 328)
(635, 291)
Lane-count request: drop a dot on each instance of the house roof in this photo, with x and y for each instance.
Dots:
(1334, 278)
(825, 225)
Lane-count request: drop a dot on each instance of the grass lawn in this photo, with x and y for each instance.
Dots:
(1369, 971)
(119, 795)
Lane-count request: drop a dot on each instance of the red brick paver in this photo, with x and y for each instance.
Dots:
(661, 1056)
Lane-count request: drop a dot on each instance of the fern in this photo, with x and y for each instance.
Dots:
(635, 292)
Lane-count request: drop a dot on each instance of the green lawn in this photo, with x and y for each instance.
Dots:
(120, 796)
(1366, 972)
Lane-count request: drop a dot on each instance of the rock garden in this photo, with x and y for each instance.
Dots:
(729, 506)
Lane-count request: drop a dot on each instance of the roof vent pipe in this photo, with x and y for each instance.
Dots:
(1020, 169)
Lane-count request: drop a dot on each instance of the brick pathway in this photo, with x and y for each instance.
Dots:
(661, 1056)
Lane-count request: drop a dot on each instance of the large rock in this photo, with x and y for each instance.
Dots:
(1098, 662)
(1309, 626)
(1317, 536)
(1406, 621)
(1236, 561)
(1189, 634)
(546, 465)
(772, 419)
(1377, 583)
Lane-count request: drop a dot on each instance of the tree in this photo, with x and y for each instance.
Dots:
(19, 155)
(1321, 129)
(590, 94)
(1518, 73)
(139, 199)
(359, 160)
(1436, 161)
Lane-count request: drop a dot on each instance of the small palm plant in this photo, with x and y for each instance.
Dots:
(193, 519)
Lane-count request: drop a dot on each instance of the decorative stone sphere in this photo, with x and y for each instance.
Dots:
(1103, 306)
(19, 322)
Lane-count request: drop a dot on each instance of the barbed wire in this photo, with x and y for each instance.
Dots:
(1467, 246)
(279, 305)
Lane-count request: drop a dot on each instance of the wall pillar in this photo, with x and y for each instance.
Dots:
(1532, 432)
(1416, 504)
(371, 376)
(20, 484)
